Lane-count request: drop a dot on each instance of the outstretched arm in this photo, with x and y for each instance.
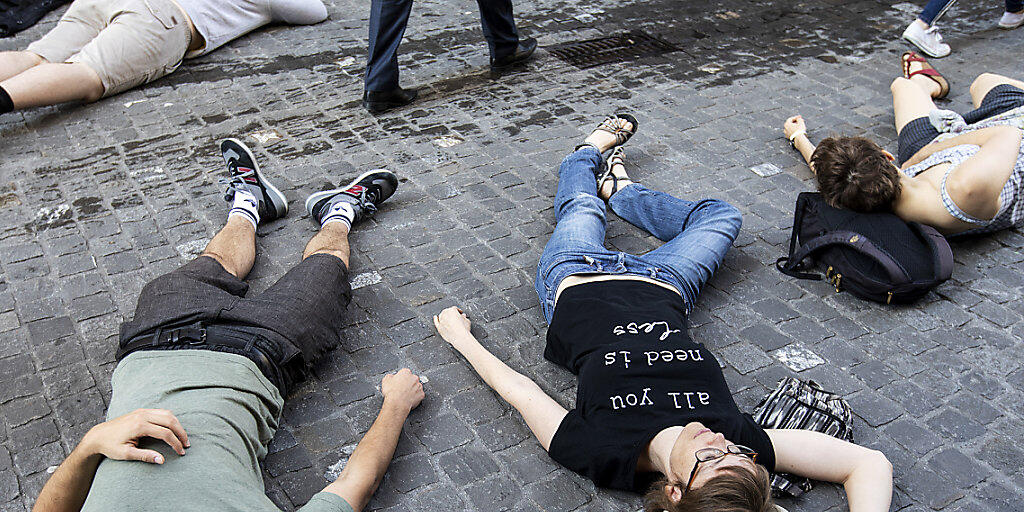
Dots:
(542, 414)
(796, 131)
(865, 474)
(118, 439)
(365, 468)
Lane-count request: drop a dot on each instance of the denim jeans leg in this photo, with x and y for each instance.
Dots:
(1014, 5)
(579, 217)
(697, 234)
(934, 10)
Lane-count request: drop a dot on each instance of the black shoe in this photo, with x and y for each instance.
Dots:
(523, 53)
(245, 175)
(364, 193)
(382, 101)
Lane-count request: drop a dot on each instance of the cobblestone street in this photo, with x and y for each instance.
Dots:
(97, 200)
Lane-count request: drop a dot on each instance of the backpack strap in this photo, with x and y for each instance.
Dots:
(940, 248)
(786, 264)
(847, 239)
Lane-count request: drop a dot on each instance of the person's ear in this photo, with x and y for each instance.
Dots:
(889, 155)
(674, 493)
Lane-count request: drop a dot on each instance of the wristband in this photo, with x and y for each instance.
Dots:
(792, 138)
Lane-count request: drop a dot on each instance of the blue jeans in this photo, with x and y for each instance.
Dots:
(697, 234)
(936, 8)
(388, 19)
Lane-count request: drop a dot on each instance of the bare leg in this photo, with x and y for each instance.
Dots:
(12, 63)
(50, 84)
(912, 98)
(234, 247)
(332, 239)
(985, 82)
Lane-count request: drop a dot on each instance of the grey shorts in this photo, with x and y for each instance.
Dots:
(126, 42)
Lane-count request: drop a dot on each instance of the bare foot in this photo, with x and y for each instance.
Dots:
(604, 140)
(618, 170)
(928, 85)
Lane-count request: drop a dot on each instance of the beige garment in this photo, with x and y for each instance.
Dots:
(126, 42)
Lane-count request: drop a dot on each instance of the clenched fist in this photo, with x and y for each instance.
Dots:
(451, 323)
(402, 389)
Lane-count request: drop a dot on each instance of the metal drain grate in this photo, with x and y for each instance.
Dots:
(606, 50)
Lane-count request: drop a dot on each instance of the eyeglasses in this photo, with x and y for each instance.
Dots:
(710, 454)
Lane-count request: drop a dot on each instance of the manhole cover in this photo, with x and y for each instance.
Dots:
(606, 50)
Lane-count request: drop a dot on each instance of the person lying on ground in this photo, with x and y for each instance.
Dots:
(100, 48)
(959, 174)
(652, 404)
(203, 368)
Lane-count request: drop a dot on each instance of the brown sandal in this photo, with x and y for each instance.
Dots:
(927, 70)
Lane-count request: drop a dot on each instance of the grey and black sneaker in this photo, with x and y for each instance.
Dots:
(245, 174)
(364, 193)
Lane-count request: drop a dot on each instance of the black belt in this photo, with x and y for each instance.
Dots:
(215, 337)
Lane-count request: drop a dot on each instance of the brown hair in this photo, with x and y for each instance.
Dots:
(735, 490)
(854, 173)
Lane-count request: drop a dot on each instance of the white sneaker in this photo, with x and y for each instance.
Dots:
(929, 41)
(1011, 20)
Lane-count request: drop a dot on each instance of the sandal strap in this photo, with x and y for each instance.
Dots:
(610, 125)
(925, 71)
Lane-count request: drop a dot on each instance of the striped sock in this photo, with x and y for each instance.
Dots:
(246, 205)
(341, 211)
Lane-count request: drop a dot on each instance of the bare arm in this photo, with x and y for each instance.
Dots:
(865, 474)
(542, 414)
(977, 137)
(365, 468)
(976, 183)
(796, 131)
(118, 439)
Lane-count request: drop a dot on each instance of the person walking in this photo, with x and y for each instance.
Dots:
(388, 19)
(924, 35)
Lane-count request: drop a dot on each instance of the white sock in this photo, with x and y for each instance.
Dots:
(340, 211)
(247, 206)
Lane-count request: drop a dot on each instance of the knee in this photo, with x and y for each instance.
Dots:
(899, 82)
(983, 82)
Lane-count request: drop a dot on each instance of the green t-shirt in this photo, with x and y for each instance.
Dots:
(229, 411)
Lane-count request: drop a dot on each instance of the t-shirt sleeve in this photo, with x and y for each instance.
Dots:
(601, 455)
(326, 502)
(755, 437)
(298, 12)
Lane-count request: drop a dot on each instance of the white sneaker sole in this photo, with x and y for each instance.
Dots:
(316, 197)
(280, 202)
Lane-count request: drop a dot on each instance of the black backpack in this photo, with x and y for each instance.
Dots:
(875, 256)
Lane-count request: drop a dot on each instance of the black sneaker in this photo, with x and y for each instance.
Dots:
(365, 193)
(245, 175)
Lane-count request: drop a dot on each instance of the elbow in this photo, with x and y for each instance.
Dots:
(972, 196)
(876, 465)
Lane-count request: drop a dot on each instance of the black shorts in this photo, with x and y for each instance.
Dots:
(920, 132)
(302, 313)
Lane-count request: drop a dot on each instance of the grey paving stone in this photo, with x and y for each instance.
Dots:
(98, 199)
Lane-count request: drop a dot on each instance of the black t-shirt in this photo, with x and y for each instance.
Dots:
(639, 373)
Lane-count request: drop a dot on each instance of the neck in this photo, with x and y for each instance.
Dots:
(659, 451)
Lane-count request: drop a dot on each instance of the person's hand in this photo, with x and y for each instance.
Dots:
(794, 125)
(119, 438)
(451, 323)
(403, 389)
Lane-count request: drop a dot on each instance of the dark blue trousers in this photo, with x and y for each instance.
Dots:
(388, 19)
